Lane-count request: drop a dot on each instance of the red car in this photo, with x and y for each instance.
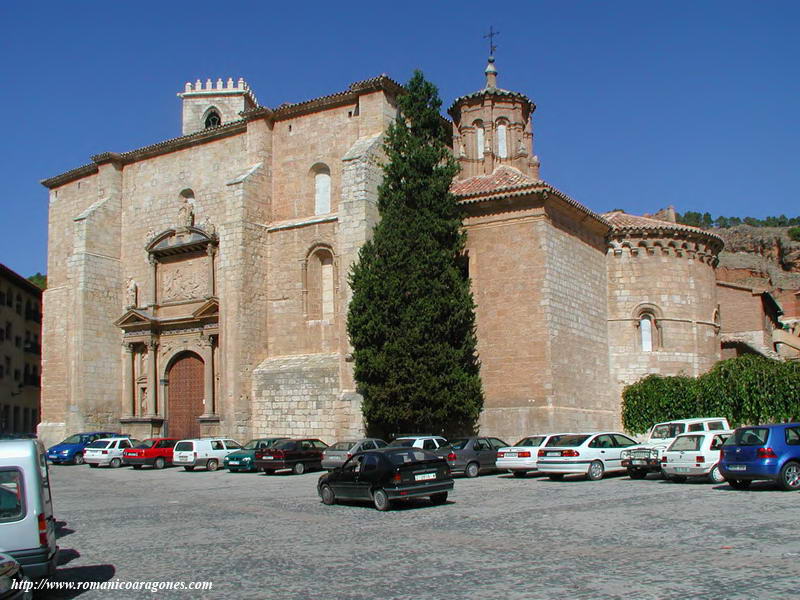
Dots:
(155, 452)
(298, 455)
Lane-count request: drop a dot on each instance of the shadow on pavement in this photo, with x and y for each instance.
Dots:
(92, 573)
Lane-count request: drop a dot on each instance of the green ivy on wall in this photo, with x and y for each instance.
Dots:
(746, 390)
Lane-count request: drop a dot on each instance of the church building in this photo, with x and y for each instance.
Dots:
(199, 286)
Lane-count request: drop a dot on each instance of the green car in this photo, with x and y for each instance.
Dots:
(243, 460)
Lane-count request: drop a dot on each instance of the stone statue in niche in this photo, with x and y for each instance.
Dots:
(208, 227)
(131, 293)
(521, 147)
(461, 150)
(186, 214)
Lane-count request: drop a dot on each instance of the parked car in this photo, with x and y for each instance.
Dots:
(590, 454)
(645, 458)
(203, 452)
(27, 524)
(388, 474)
(337, 454)
(523, 456)
(770, 452)
(426, 442)
(13, 584)
(245, 459)
(471, 455)
(298, 455)
(107, 451)
(694, 455)
(154, 452)
(71, 449)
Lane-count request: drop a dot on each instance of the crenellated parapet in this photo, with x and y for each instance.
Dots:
(643, 236)
(219, 87)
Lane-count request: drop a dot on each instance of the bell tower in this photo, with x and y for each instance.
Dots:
(210, 105)
(492, 128)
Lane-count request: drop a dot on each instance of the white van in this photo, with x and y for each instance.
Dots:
(27, 525)
(203, 452)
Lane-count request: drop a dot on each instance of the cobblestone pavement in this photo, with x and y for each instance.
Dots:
(257, 536)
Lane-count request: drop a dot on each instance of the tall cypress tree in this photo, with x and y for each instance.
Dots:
(411, 320)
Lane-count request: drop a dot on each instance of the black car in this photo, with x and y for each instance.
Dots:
(388, 474)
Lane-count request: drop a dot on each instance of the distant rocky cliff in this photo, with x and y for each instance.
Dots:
(762, 257)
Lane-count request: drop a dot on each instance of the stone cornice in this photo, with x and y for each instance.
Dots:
(124, 158)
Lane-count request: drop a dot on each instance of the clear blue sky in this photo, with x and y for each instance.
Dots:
(639, 104)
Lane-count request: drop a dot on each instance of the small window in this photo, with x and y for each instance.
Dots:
(213, 119)
(230, 444)
(480, 140)
(497, 443)
(12, 503)
(184, 446)
(646, 332)
(429, 445)
(217, 445)
(368, 445)
(478, 445)
(623, 441)
(696, 427)
(715, 426)
(370, 462)
(319, 445)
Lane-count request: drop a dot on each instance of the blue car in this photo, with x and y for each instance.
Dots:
(770, 452)
(71, 449)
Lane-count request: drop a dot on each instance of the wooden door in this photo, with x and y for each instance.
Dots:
(185, 397)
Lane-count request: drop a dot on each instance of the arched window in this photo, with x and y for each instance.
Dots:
(320, 285)
(322, 189)
(502, 140)
(646, 332)
(212, 118)
(480, 139)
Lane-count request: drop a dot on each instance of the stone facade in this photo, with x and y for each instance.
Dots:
(20, 352)
(200, 285)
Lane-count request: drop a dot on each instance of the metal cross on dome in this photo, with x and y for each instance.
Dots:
(490, 36)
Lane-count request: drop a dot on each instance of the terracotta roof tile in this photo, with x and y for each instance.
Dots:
(622, 221)
(503, 178)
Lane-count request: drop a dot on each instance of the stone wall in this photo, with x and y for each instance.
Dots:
(678, 287)
(300, 396)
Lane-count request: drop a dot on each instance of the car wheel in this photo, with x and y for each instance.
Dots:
(158, 463)
(94, 465)
(299, 468)
(78, 460)
(115, 463)
(380, 500)
(519, 473)
(715, 476)
(471, 470)
(596, 471)
(137, 466)
(790, 476)
(739, 484)
(189, 468)
(212, 465)
(637, 474)
(556, 476)
(439, 498)
(327, 494)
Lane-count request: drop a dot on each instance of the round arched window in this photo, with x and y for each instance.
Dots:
(213, 119)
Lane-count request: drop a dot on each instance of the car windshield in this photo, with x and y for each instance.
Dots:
(342, 445)
(410, 456)
(253, 444)
(530, 441)
(459, 443)
(146, 444)
(565, 441)
(748, 436)
(73, 439)
(667, 430)
(184, 446)
(402, 443)
(687, 442)
(99, 444)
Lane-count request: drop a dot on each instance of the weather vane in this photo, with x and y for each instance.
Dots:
(490, 36)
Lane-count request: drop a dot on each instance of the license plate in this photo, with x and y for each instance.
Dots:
(511, 455)
(737, 467)
(681, 469)
(266, 458)
(233, 462)
(552, 453)
(425, 476)
(638, 461)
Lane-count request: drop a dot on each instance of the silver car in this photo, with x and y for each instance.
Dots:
(337, 454)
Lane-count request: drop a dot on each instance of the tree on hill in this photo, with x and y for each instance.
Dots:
(39, 279)
(411, 320)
